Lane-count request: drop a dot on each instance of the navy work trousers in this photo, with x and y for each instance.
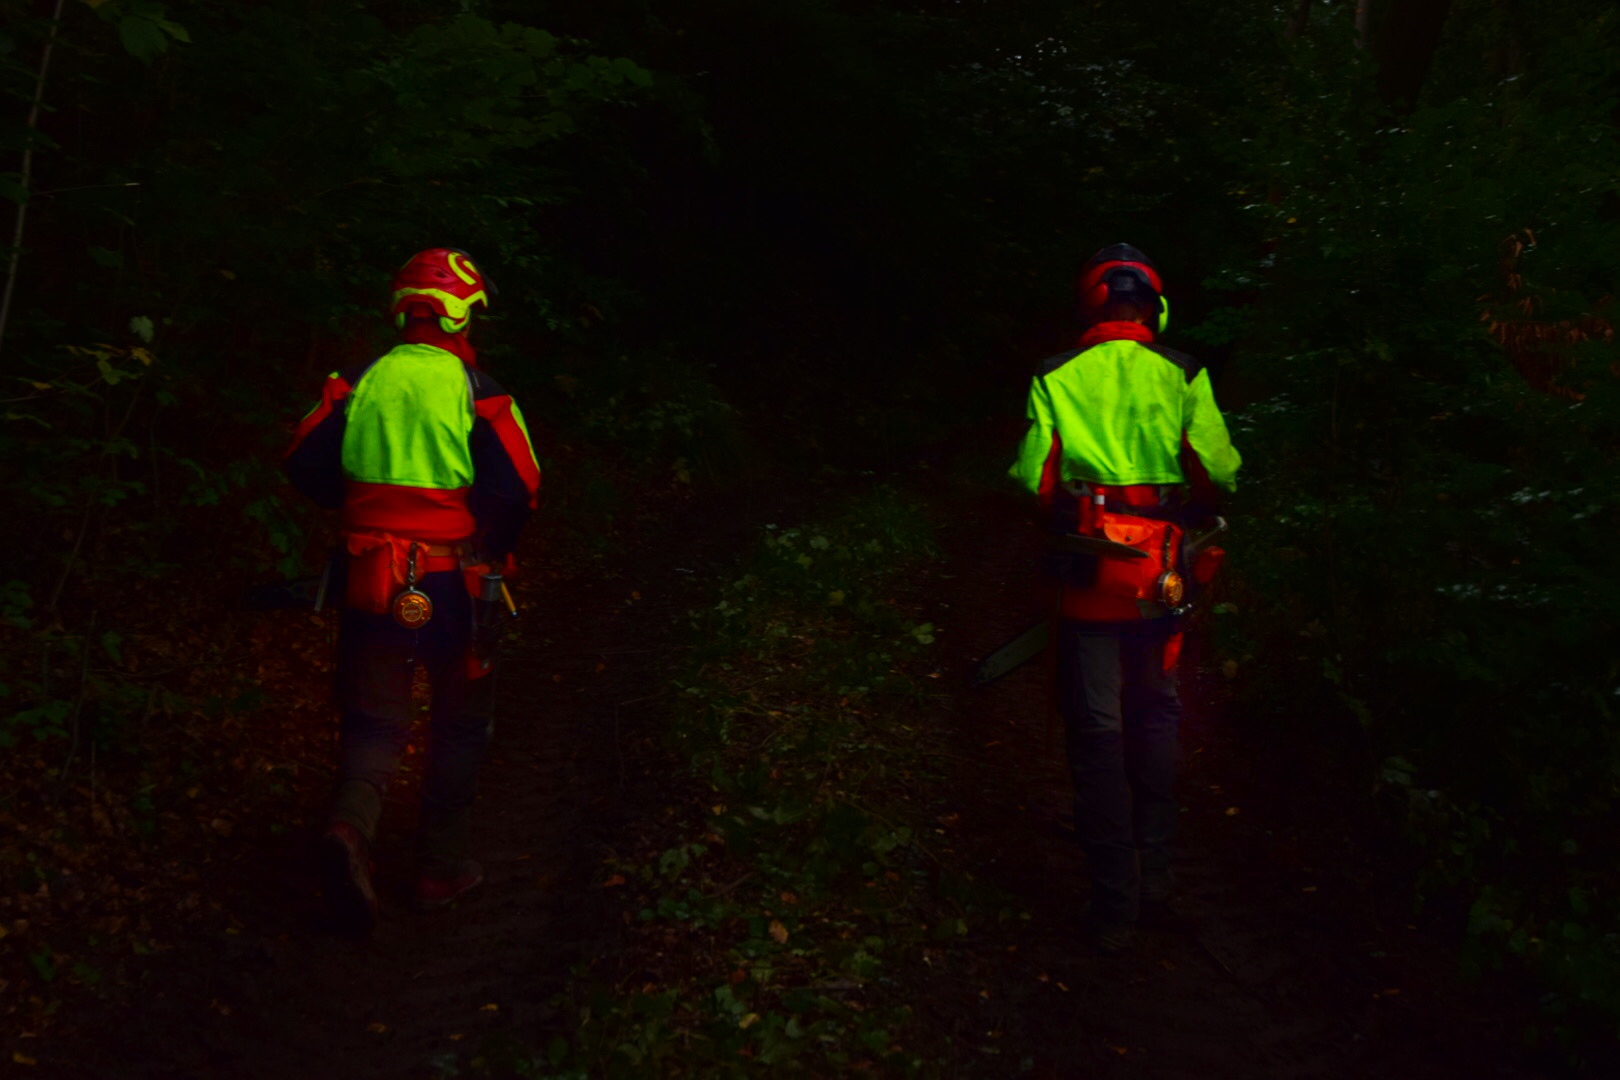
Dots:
(377, 659)
(1121, 713)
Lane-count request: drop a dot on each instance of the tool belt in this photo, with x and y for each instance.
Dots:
(384, 570)
(1155, 573)
(1143, 554)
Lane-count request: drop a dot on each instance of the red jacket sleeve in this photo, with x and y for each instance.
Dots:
(314, 460)
(506, 484)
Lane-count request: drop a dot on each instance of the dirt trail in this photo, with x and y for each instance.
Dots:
(277, 996)
(1282, 963)
(1282, 967)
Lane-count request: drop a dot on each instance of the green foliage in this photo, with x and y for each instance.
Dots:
(286, 157)
(142, 27)
(811, 879)
(817, 248)
(1425, 513)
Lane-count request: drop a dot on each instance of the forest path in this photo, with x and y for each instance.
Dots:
(277, 995)
(1285, 964)
(1284, 961)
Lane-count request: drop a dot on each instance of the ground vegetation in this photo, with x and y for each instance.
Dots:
(745, 245)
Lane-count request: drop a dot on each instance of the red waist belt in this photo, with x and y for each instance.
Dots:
(380, 565)
(432, 558)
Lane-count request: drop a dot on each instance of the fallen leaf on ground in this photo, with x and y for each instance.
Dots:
(376, 1028)
(779, 932)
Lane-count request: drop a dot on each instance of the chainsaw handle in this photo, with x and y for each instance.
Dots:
(1199, 541)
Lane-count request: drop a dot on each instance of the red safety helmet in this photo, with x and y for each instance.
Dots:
(1121, 274)
(446, 282)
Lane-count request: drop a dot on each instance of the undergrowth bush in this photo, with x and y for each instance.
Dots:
(1431, 483)
(777, 932)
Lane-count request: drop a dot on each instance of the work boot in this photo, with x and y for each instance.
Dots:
(436, 889)
(446, 873)
(346, 874)
(1158, 886)
(1110, 936)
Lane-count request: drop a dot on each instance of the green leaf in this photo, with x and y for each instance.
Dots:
(44, 964)
(141, 326)
(143, 38)
(632, 72)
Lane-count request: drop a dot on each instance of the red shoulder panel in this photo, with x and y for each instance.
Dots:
(335, 390)
(498, 411)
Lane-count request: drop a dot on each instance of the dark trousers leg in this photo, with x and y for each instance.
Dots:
(1120, 715)
(1152, 711)
(374, 695)
(462, 724)
(376, 661)
(1089, 678)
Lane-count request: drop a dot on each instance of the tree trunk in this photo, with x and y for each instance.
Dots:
(1408, 34)
(27, 171)
(1301, 20)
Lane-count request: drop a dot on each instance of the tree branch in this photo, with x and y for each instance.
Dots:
(28, 170)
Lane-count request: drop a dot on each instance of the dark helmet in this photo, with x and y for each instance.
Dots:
(1121, 274)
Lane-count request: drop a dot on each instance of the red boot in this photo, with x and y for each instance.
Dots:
(433, 892)
(346, 874)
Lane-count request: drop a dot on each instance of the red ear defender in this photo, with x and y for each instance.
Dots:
(1094, 297)
(1122, 269)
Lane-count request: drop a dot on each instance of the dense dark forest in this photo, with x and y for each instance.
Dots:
(800, 250)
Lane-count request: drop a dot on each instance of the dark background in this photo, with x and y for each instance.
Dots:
(742, 243)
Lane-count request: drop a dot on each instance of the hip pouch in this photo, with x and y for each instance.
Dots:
(377, 566)
(1151, 578)
(1206, 563)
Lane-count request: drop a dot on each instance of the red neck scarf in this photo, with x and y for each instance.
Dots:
(428, 332)
(1115, 331)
